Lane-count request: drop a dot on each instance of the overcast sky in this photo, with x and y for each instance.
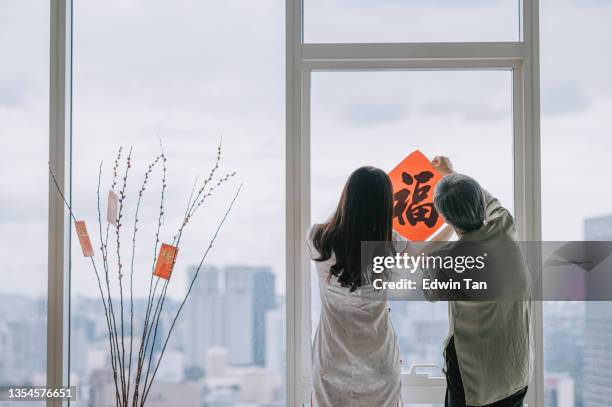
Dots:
(190, 71)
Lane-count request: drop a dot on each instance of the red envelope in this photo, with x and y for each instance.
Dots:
(81, 230)
(414, 181)
(165, 261)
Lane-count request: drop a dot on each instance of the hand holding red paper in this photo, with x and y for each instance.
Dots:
(443, 165)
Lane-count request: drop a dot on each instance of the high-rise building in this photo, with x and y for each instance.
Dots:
(598, 228)
(275, 339)
(204, 316)
(597, 365)
(264, 300)
(249, 294)
(559, 390)
(216, 361)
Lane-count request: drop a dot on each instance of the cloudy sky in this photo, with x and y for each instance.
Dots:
(191, 71)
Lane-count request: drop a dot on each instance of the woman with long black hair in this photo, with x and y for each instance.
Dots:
(355, 359)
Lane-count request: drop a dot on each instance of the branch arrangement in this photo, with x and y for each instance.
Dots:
(134, 370)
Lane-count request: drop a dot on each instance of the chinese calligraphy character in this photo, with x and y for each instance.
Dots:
(415, 211)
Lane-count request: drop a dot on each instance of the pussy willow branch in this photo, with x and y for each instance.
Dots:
(106, 308)
(191, 204)
(107, 269)
(210, 245)
(192, 208)
(61, 194)
(154, 329)
(202, 196)
(121, 378)
(137, 211)
(122, 197)
(145, 329)
(161, 299)
(93, 263)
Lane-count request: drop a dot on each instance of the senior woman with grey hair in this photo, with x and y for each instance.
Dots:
(488, 352)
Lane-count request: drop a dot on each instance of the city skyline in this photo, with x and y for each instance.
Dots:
(418, 337)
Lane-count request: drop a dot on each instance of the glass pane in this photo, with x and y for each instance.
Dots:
(377, 118)
(178, 71)
(576, 100)
(350, 21)
(24, 131)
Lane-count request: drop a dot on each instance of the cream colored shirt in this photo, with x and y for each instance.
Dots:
(493, 340)
(355, 355)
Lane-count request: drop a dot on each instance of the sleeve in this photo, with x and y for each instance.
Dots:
(493, 207)
(430, 295)
(312, 252)
(400, 243)
(432, 273)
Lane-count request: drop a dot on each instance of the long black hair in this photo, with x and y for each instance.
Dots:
(364, 213)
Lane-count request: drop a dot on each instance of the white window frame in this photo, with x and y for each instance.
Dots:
(521, 57)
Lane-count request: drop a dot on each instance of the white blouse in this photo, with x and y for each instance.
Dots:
(355, 357)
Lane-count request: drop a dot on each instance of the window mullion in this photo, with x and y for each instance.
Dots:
(59, 222)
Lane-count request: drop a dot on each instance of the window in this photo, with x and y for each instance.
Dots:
(576, 100)
(342, 96)
(377, 118)
(24, 113)
(347, 21)
(177, 71)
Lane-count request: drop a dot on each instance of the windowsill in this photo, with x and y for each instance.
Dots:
(421, 388)
(416, 388)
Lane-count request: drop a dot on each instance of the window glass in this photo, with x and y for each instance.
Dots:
(576, 98)
(345, 21)
(188, 72)
(24, 131)
(378, 118)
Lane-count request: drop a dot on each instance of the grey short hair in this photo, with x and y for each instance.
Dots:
(460, 200)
